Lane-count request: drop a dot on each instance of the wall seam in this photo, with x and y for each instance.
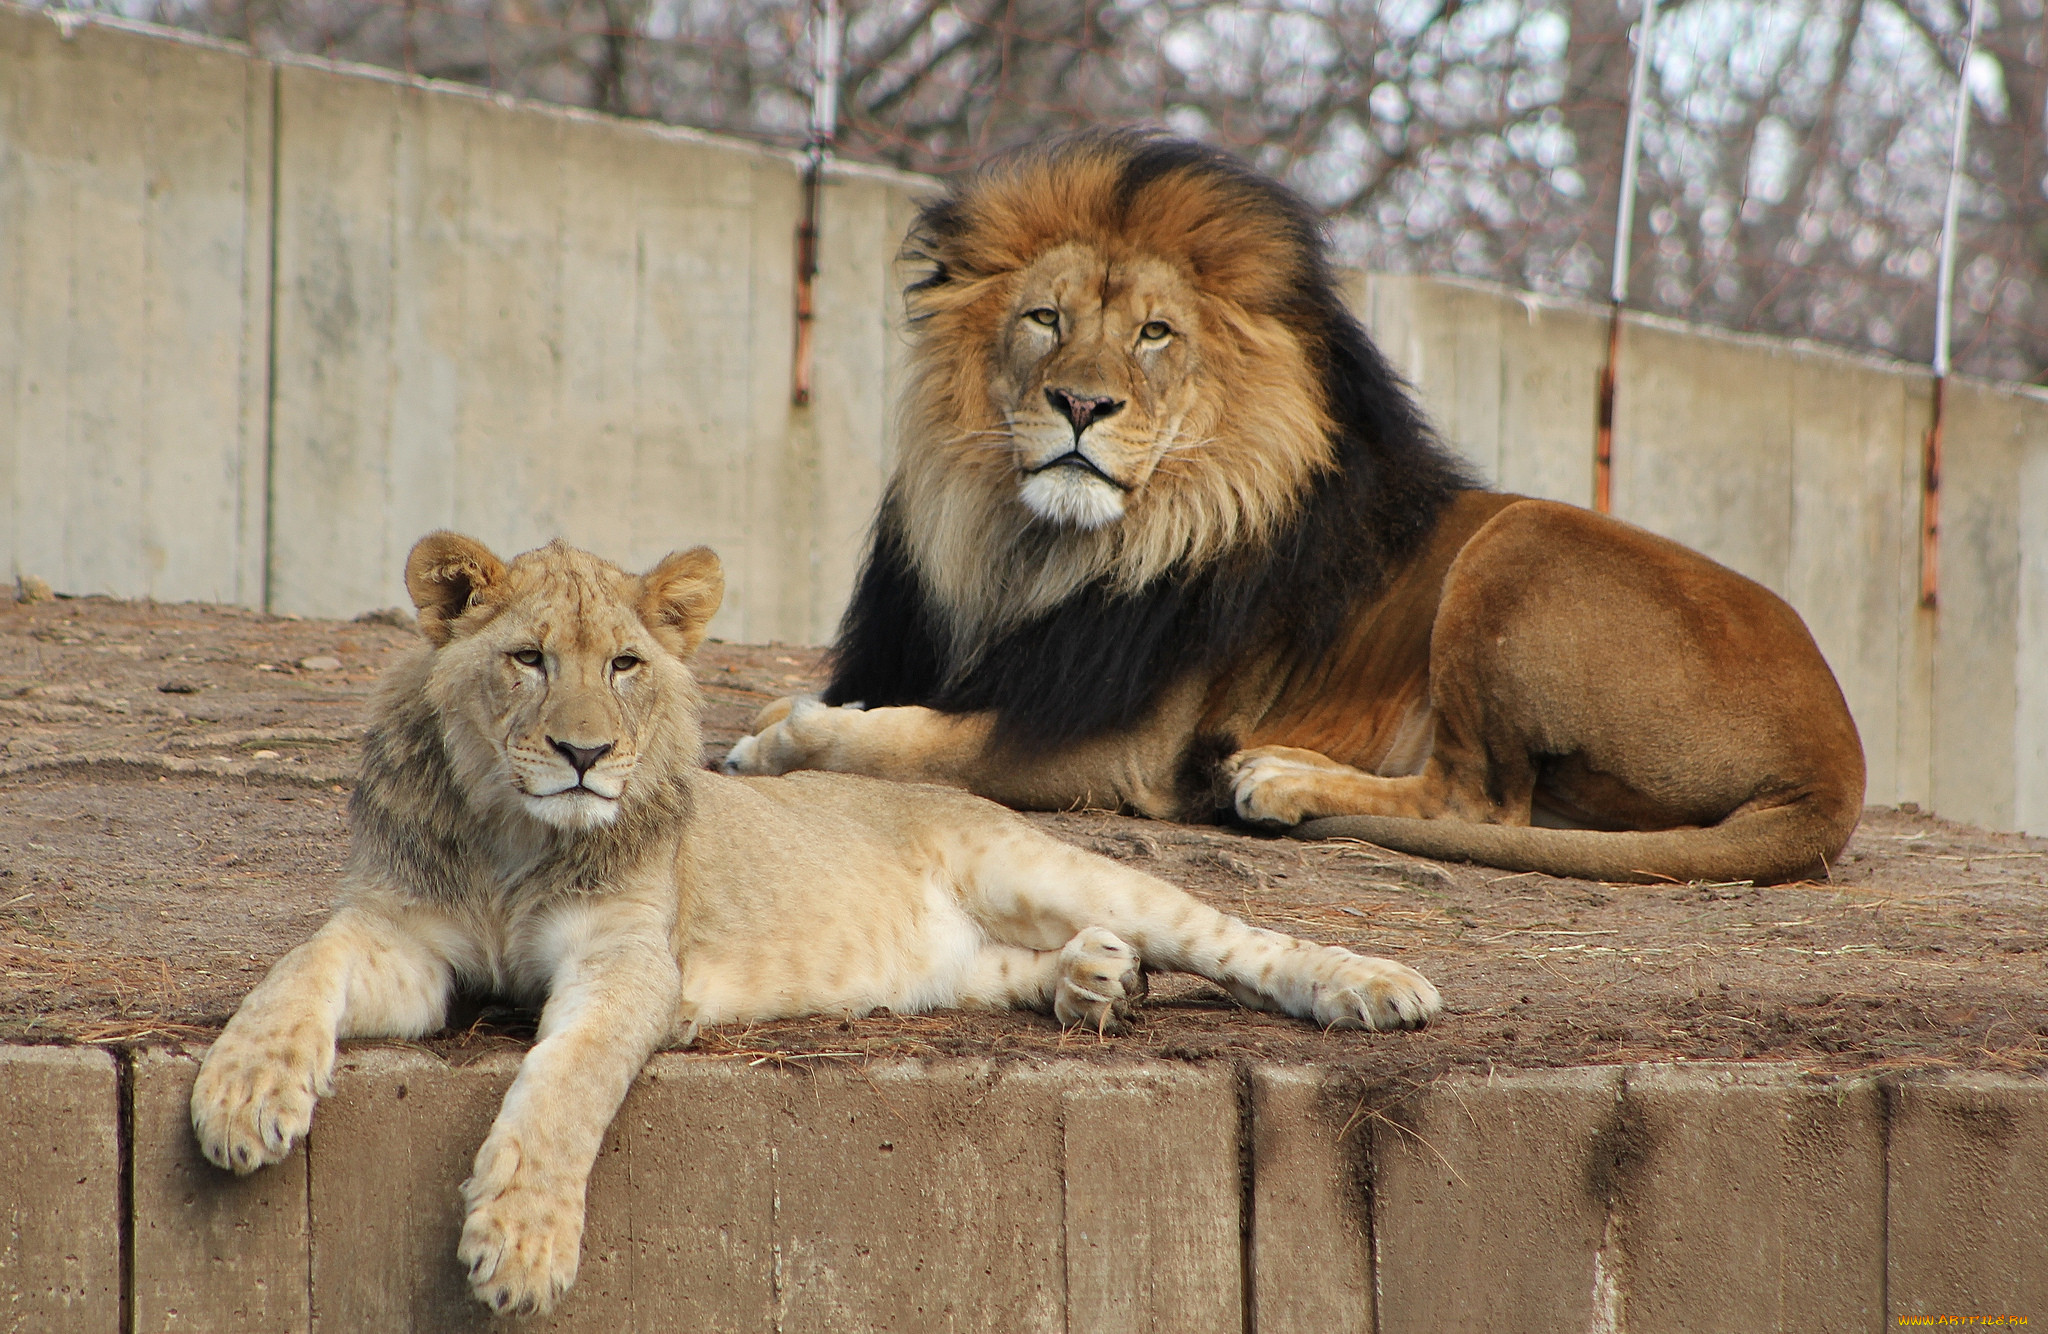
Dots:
(1367, 1175)
(124, 1208)
(1066, 1232)
(1888, 1091)
(271, 304)
(1247, 1199)
(306, 1147)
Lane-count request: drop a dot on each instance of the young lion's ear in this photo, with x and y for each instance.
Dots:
(447, 574)
(679, 597)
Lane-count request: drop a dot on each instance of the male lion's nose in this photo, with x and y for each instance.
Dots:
(582, 757)
(1082, 409)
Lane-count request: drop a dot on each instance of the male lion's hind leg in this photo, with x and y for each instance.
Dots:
(1278, 786)
(1028, 888)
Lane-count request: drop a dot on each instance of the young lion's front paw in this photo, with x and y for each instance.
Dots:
(521, 1240)
(1100, 982)
(1357, 991)
(249, 1107)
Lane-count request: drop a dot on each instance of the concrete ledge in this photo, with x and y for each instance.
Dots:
(1071, 1195)
(1744, 1200)
(1968, 1207)
(1491, 1202)
(1311, 1254)
(60, 1179)
(211, 1251)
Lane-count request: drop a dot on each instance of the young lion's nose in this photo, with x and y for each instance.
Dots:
(582, 757)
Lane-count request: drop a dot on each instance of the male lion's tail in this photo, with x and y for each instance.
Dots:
(1768, 846)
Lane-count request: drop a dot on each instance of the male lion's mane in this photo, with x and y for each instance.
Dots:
(1274, 570)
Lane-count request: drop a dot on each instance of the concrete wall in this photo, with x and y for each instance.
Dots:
(1070, 1196)
(263, 323)
(134, 311)
(523, 323)
(1799, 466)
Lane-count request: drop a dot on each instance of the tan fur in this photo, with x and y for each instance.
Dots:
(1530, 663)
(640, 896)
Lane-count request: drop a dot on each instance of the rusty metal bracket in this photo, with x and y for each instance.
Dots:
(807, 281)
(1603, 432)
(1930, 500)
(827, 35)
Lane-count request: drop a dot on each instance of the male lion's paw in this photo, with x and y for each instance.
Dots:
(521, 1238)
(1357, 991)
(253, 1101)
(774, 712)
(1100, 983)
(1276, 786)
(786, 736)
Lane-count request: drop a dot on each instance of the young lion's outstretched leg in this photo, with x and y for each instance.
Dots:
(363, 974)
(610, 1004)
(1031, 890)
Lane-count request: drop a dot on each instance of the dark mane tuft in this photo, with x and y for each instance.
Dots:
(1101, 659)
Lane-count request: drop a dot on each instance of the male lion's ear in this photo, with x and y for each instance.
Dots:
(447, 574)
(679, 596)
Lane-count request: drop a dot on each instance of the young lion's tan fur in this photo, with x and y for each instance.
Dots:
(533, 819)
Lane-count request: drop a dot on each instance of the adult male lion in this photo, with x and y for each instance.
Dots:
(533, 820)
(1166, 528)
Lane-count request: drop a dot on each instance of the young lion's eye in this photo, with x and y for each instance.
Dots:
(625, 662)
(528, 657)
(1044, 315)
(1155, 331)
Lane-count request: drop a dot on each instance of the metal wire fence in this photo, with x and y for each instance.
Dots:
(1793, 165)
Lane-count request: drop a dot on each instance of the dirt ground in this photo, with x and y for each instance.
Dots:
(173, 809)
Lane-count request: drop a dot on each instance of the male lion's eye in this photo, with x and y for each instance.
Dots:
(625, 662)
(1044, 315)
(1155, 331)
(527, 657)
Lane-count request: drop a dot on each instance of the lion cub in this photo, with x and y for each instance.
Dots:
(533, 818)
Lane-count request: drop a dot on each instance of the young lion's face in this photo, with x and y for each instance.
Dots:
(561, 677)
(1096, 368)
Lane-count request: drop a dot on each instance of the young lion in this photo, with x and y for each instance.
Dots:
(533, 819)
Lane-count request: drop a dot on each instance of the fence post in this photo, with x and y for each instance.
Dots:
(1944, 302)
(1617, 288)
(826, 32)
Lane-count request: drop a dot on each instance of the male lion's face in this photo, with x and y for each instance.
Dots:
(1095, 371)
(1118, 371)
(558, 675)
